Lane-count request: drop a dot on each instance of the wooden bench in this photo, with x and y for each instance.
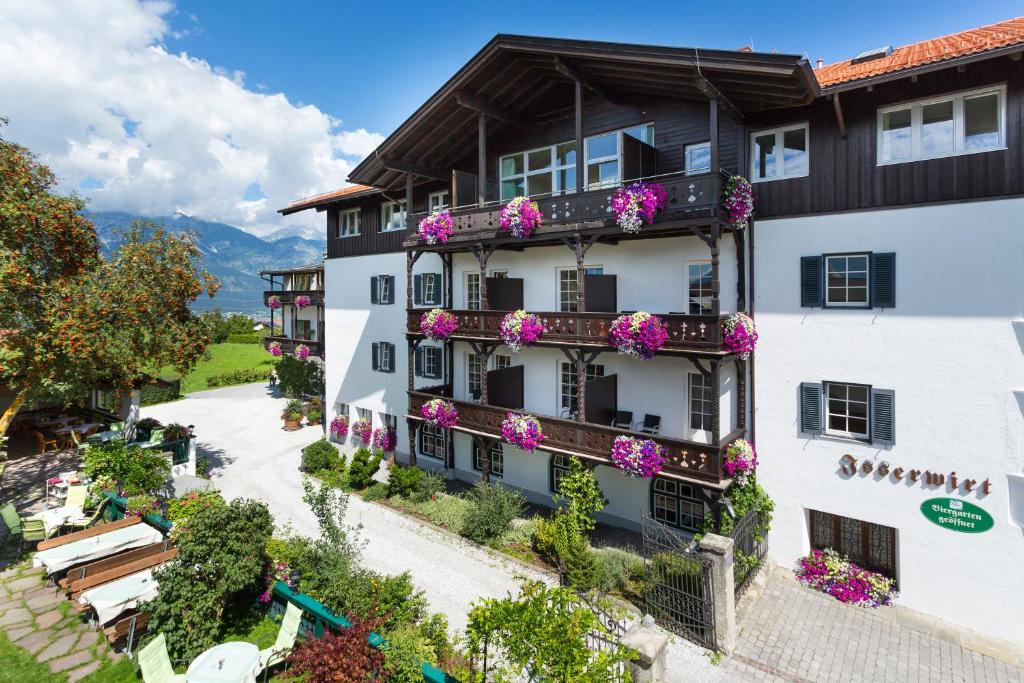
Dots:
(100, 578)
(127, 628)
(88, 533)
(108, 563)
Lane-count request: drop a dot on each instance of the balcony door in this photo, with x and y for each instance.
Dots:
(505, 387)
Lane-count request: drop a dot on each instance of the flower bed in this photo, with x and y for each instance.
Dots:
(301, 301)
(523, 431)
(363, 430)
(740, 461)
(274, 301)
(440, 413)
(637, 203)
(520, 329)
(639, 335)
(640, 458)
(438, 324)
(384, 439)
(274, 572)
(738, 201)
(833, 574)
(274, 348)
(521, 217)
(740, 335)
(437, 227)
(339, 426)
(302, 352)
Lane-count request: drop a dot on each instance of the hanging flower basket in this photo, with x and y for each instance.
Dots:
(363, 430)
(274, 301)
(637, 203)
(274, 348)
(740, 335)
(523, 431)
(440, 413)
(437, 227)
(834, 574)
(384, 439)
(639, 335)
(438, 324)
(521, 217)
(302, 352)
(738, 201)
(740, 461)
(339, 426)
(520, 329)
(640, 458)
(301, 301)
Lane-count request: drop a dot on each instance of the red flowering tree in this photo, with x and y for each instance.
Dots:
(72, 320)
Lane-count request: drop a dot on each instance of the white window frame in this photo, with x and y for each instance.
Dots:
(552, 170)
(433, 205)
(781, 163)
(433, 362)
(501, 361)
(431, 282)
(561, 369)
(439, 438)
(364, 414)
(470, 358)
(387, 214)
(688, 298)
(867, 411)
(587, 270)
(384, 357)
(383, 288)
(472, 303)
(341, 230)
(691, 399)
(497, 455)
(959, 140)
(341, 409)
(690, 169)
(867, 282)
(617, 157)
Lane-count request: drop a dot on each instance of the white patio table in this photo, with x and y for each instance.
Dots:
(111, 599)
(96, 547)
(235, 662)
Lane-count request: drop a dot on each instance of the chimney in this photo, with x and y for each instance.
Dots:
(821, 63)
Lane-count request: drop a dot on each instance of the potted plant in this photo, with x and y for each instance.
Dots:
(738, 200)
(637, 203)
(523, 431)
(438, 324)
(739, 335)
(639, 335)
(521, 217)
(302, 352)
(292, 415)
(314, 416)
(175, 432)
(339, 426)
(362, 429)
(520, 329)
(640, 458)
(437, 227)
(301, 301)
(144, 428)
(440, 413)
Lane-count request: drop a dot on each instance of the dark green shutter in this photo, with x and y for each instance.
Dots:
(376, 358)
(883, 280)
(812, 278)
(883, 417)
(438, 284)
(810, 408)
(418, 362)
(436, 352)
(374, 295)
(393, 357)
(391, 289)
(417, 290)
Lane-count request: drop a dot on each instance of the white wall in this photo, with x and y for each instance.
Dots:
(951, 350)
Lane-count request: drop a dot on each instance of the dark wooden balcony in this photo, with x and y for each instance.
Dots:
(689, 196)
(288, 345)
(688, 459)
(287, 297)
(687, 334)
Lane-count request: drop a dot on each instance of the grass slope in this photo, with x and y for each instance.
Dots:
(224, 358)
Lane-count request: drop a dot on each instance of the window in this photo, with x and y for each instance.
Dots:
(698, 158)
(676, 504)
(964, 123)
(502, 361)
(426, 289)
(540, 172)
(603, 160)
(644, 133)
(383, 357)
(302, 282)
(438, 200)
(348, 223)
(847, 410)
(303, 330)
(474, 375)
(568, 287)
(496, 455)
(382, 289)
(846, 280)
(871, 546)
(698, 276)
(473, 291)
(432, 441)
(779, 153)
(559, 468)
(392, 216)
(567, 396)
(389, 421)
(428, 362)
(701, 401)
(341, 409)
(364, 414)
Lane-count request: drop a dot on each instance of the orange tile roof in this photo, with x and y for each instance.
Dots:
(970, 42)
(317, 199)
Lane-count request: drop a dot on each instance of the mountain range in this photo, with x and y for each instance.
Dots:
(236, 257)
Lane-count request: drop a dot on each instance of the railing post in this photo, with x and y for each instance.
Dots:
(580, 167)
(719, 550)
(581, 387)
(652, 648)
(716, 235)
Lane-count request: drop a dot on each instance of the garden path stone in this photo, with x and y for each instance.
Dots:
(83, 671)
(41, 602)
(70, 661)
(87, 639)
(58, 648)
(36, 641)
(15, 634)
(15, 616)
(49, 619)
(23, 584)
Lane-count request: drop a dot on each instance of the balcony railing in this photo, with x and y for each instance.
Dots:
(688, 196)
(287, 297)
(686, 333)
(316, 348)
(684, 458)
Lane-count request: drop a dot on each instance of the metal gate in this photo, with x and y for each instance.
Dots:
(611, 637)
(750, 545)
(679, 584)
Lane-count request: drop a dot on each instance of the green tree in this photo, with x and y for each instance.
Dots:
(582, 494)
(299, 377)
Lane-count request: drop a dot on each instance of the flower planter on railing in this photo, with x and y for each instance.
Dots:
(639, 458)
(640, 335)
(738, 201)
(739, 335)
(522, 431)
(274, 348)
(301, 301)
(740, 461)
(521, 217)
(437, 227)
(520, 329)
(438, 324)
(274, 302)
(636, 204)
(440, 413)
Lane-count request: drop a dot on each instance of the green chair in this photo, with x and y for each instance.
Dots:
(156, 663)
(88, 522)
(116, 427)
(28, 528)
(156, 436)
(76, 497)
(80, 446)
(286, 636)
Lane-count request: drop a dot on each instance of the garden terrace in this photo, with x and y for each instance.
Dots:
(694, 462)
(288, 345)
(687, 334)
(287, 296)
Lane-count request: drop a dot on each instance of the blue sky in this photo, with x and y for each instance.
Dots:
(372, 63)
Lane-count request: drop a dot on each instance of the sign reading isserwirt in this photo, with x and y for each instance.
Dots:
(956, 515)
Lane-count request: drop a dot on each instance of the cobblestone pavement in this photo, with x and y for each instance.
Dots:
(795, 635)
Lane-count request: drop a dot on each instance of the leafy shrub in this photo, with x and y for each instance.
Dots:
(141, 505)
(620, 571)
(377, 491)
(293, 410)
(404, 480)
(345, 656)
(334, 479)
(137, 469)
(314, 416)
(445, 510)
(430, 485)
(243, 376)
(491, 511)
(299, 378)
(202, 466)
(175, 432)
(247, 338)
(321, 455)
(159, 391)
(191, 503)
(145, 427)
(560, 541)
(582, 495)
(364, 466)
(407, 649)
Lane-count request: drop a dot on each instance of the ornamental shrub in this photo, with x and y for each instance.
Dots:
(137, 470)
(141, 505)
(246, 338)
(429, 486)
(364, 466)
(582, 494)
(298, 378)
(191, 503)
(407, 649)
(243, 376)
(159, 391)
(491, 511)
(345, 656)
(404, 481)
(321, 455)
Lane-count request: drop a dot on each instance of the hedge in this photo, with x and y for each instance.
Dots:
(167, 390)
(237, 377)
(244, 339)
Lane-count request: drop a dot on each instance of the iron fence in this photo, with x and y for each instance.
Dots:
(750, 545)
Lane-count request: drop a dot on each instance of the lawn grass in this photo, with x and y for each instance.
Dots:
(18, 665)
(223, 358)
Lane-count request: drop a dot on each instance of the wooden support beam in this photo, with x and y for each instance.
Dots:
(482, 106)
(411, 426)
(483, 253)
(840, 119)
(414, 168)
(715, 143)
(741, 271)
(567, 68)
(411, 257)
(481, 159)
(408, 197)
(580, 167)
(716, 405)
(716, 299)
(580, 246)
(714, 94)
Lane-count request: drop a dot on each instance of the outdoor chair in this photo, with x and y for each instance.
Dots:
(651, 424)
(28, 528)
(156, 663)
(156, 436)
(46, 443)
(116, 427)
(84, 522)
(623, 419)
(570, 412)
(285, 640)
(78, 444)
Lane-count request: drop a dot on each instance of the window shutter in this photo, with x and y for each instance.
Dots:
(438, 286)
(374, 294)
(436, 351)
(391, 356)
(418, 362)
(376, 357)
(810, 408)
(883, 280)
(883, 417)
(417, 290)
(391, 289)
(811, 282)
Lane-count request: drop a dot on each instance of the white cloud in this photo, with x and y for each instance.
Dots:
(90, 87)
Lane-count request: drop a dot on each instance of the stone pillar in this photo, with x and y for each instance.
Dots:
(719, 549)
(651, 646)
(129, 412)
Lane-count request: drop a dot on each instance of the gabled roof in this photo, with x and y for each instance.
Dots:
(319, 200)
(1003, 36)
(310, 268)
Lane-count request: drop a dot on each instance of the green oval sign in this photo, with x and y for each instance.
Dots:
(957, 515)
